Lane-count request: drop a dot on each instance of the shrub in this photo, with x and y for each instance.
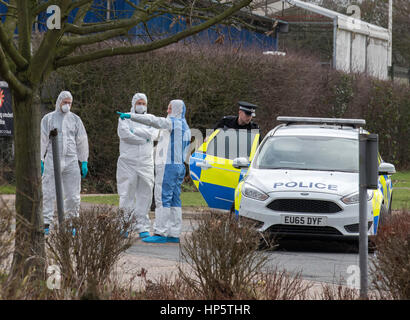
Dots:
(87, 256)
(12, 285)
(390, 268)
(6, 247)
(6, 233)
(221, 260)
(282, 285)
(223, 257)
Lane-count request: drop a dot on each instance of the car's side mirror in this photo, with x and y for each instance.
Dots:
(240, 163)
(386, 169)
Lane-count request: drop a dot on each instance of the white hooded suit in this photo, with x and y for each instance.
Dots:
(73, 147)
(135, 167)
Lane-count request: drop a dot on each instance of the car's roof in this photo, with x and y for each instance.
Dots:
(316, 130)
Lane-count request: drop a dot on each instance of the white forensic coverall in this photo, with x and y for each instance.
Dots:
(135, 166)
(73, 147)
(170, 156)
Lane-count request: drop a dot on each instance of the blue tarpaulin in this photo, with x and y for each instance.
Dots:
(164, 25)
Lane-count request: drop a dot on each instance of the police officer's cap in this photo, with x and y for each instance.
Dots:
(248, 108)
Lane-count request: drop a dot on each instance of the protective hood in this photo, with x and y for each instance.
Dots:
(135, 98)
(340, 183)
(63, 95)
(178, 109)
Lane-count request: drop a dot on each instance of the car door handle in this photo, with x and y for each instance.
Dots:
(204, 165)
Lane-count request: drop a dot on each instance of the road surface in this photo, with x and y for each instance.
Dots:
(323, 261)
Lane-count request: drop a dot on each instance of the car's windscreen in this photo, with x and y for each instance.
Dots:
(309, 153)
(232, 143)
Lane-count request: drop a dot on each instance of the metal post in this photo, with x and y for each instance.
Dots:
(392, 72)
(334, 43)
(108, 10)
(363, 238)
(408, 75)
(390, 29)
(57, 176)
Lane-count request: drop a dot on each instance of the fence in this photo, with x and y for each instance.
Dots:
(6, 159)
(399, 74)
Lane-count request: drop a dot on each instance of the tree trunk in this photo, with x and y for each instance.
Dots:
(29, 253)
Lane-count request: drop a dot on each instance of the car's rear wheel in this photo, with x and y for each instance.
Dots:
(232, 210)
(384, 215)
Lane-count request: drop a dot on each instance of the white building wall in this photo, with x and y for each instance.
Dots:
(358, 46)
(377, 58)
(358, 53)
(361, 47)
(343, 49)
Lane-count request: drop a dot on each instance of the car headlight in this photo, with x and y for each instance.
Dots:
(252, 192)
(354, 198)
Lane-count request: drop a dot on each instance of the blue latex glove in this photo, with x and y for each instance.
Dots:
(42, 167)
(84, 169)
(124, 115)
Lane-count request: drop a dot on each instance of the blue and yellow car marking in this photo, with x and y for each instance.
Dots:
(238, 197)
(381, 196)
(195, 170)
(217, 183)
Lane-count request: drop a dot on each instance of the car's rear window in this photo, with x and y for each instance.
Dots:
(309, 153)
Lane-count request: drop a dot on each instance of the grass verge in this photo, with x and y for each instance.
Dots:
(188, 199)
(401, 197)
(7, 189)
(401, 190)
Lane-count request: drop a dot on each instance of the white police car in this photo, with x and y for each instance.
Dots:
(303, 180)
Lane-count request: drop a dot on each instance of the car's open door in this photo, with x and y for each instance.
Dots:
(211, 165)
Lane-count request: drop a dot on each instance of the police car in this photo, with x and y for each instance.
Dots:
(303, 180)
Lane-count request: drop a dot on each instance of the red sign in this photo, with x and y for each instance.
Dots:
(6, 111)
(1, 98)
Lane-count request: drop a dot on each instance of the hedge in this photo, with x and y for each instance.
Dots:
(211, 79)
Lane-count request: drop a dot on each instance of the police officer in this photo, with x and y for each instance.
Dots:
(242, 121)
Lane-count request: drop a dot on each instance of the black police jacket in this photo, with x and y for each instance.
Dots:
(231, 122)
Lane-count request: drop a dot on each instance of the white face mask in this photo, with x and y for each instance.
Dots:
(65, 108)
(140, 109)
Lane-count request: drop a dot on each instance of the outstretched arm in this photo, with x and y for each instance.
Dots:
(149, 120)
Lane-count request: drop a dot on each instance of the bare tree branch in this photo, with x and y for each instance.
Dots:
(147, 31)
(8, 5)
(43, 6)
(100, 27)
(11, 18)
(139, 7)
(9, 48)
(99, 37)
(110, 29)
(79, 3)
(82, 11)
(8, 15)
(24, 23)
(10, 78)
(47, 49)
(153, 45)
